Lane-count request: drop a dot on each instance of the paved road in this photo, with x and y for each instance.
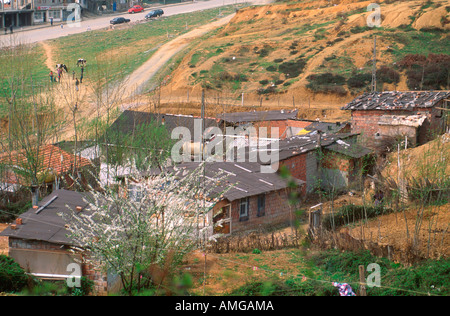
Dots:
(46, 33)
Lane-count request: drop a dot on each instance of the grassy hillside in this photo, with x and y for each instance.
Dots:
(316, 53)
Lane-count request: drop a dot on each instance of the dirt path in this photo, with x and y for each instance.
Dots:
(49, 62)
(144, 73)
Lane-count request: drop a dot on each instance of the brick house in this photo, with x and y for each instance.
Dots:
(38, 241)
(383, 116)
(334, 165)
(254, 200)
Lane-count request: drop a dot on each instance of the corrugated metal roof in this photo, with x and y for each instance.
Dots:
(396, 100)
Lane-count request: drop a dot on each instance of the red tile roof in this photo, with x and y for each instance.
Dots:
(50, 157)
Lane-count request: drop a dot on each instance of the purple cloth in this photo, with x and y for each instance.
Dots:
(344, 289)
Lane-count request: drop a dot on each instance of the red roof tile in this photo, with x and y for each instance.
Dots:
(50, 157)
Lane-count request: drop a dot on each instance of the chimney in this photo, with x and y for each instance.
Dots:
(34, 196)
(18, 221)
(79, 208)
(13, 226)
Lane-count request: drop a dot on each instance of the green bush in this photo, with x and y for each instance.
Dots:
(85, 289)
(360, 80)
(12, 277)
(292, 68)
(327, 83)
(430, 276)
(386, 74)
(426, 72)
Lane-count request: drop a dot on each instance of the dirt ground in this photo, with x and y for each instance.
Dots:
(226, 272)
(393, 229)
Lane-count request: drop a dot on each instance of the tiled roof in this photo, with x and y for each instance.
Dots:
(397, 100)
(49, 157)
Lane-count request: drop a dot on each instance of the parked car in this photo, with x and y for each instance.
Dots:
(154, 14)
(135, 9)
(119, 20)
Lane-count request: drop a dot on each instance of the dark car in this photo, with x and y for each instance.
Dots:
(119, 20)
(154, 14)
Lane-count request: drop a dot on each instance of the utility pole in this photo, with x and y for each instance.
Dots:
(374, 66)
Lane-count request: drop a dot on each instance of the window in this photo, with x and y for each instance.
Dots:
(243, 209)
(261, 205)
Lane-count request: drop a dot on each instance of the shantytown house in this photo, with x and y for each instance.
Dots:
(382, 117)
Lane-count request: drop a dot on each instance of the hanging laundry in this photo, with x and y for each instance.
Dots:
(344, 289)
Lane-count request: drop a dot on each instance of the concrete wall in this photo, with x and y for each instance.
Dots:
(44, 254)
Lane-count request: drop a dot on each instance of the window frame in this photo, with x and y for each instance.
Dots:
(244, 216)
(261, 210)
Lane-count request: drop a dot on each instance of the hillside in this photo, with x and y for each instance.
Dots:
(270, 52)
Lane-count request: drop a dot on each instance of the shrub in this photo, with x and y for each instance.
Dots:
(387, 75)
(326, 79)
(85, 289)
(426, 72)
(350, 213)
(359, 80)
(12, 277)
(292, 68)
(327, 83)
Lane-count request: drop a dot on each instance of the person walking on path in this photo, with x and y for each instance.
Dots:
(76, 84)
(51, 21)
(82, 74)
(51, 76)
(73, 75)
(11, 28)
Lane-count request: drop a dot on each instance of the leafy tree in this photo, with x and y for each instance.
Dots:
(141, 235)
(12, 277)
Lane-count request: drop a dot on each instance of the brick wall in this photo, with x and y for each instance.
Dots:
(304, 167)
(297, 166)
(277, 211)
(366, 122)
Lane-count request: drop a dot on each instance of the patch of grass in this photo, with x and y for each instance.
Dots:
(133, 45)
